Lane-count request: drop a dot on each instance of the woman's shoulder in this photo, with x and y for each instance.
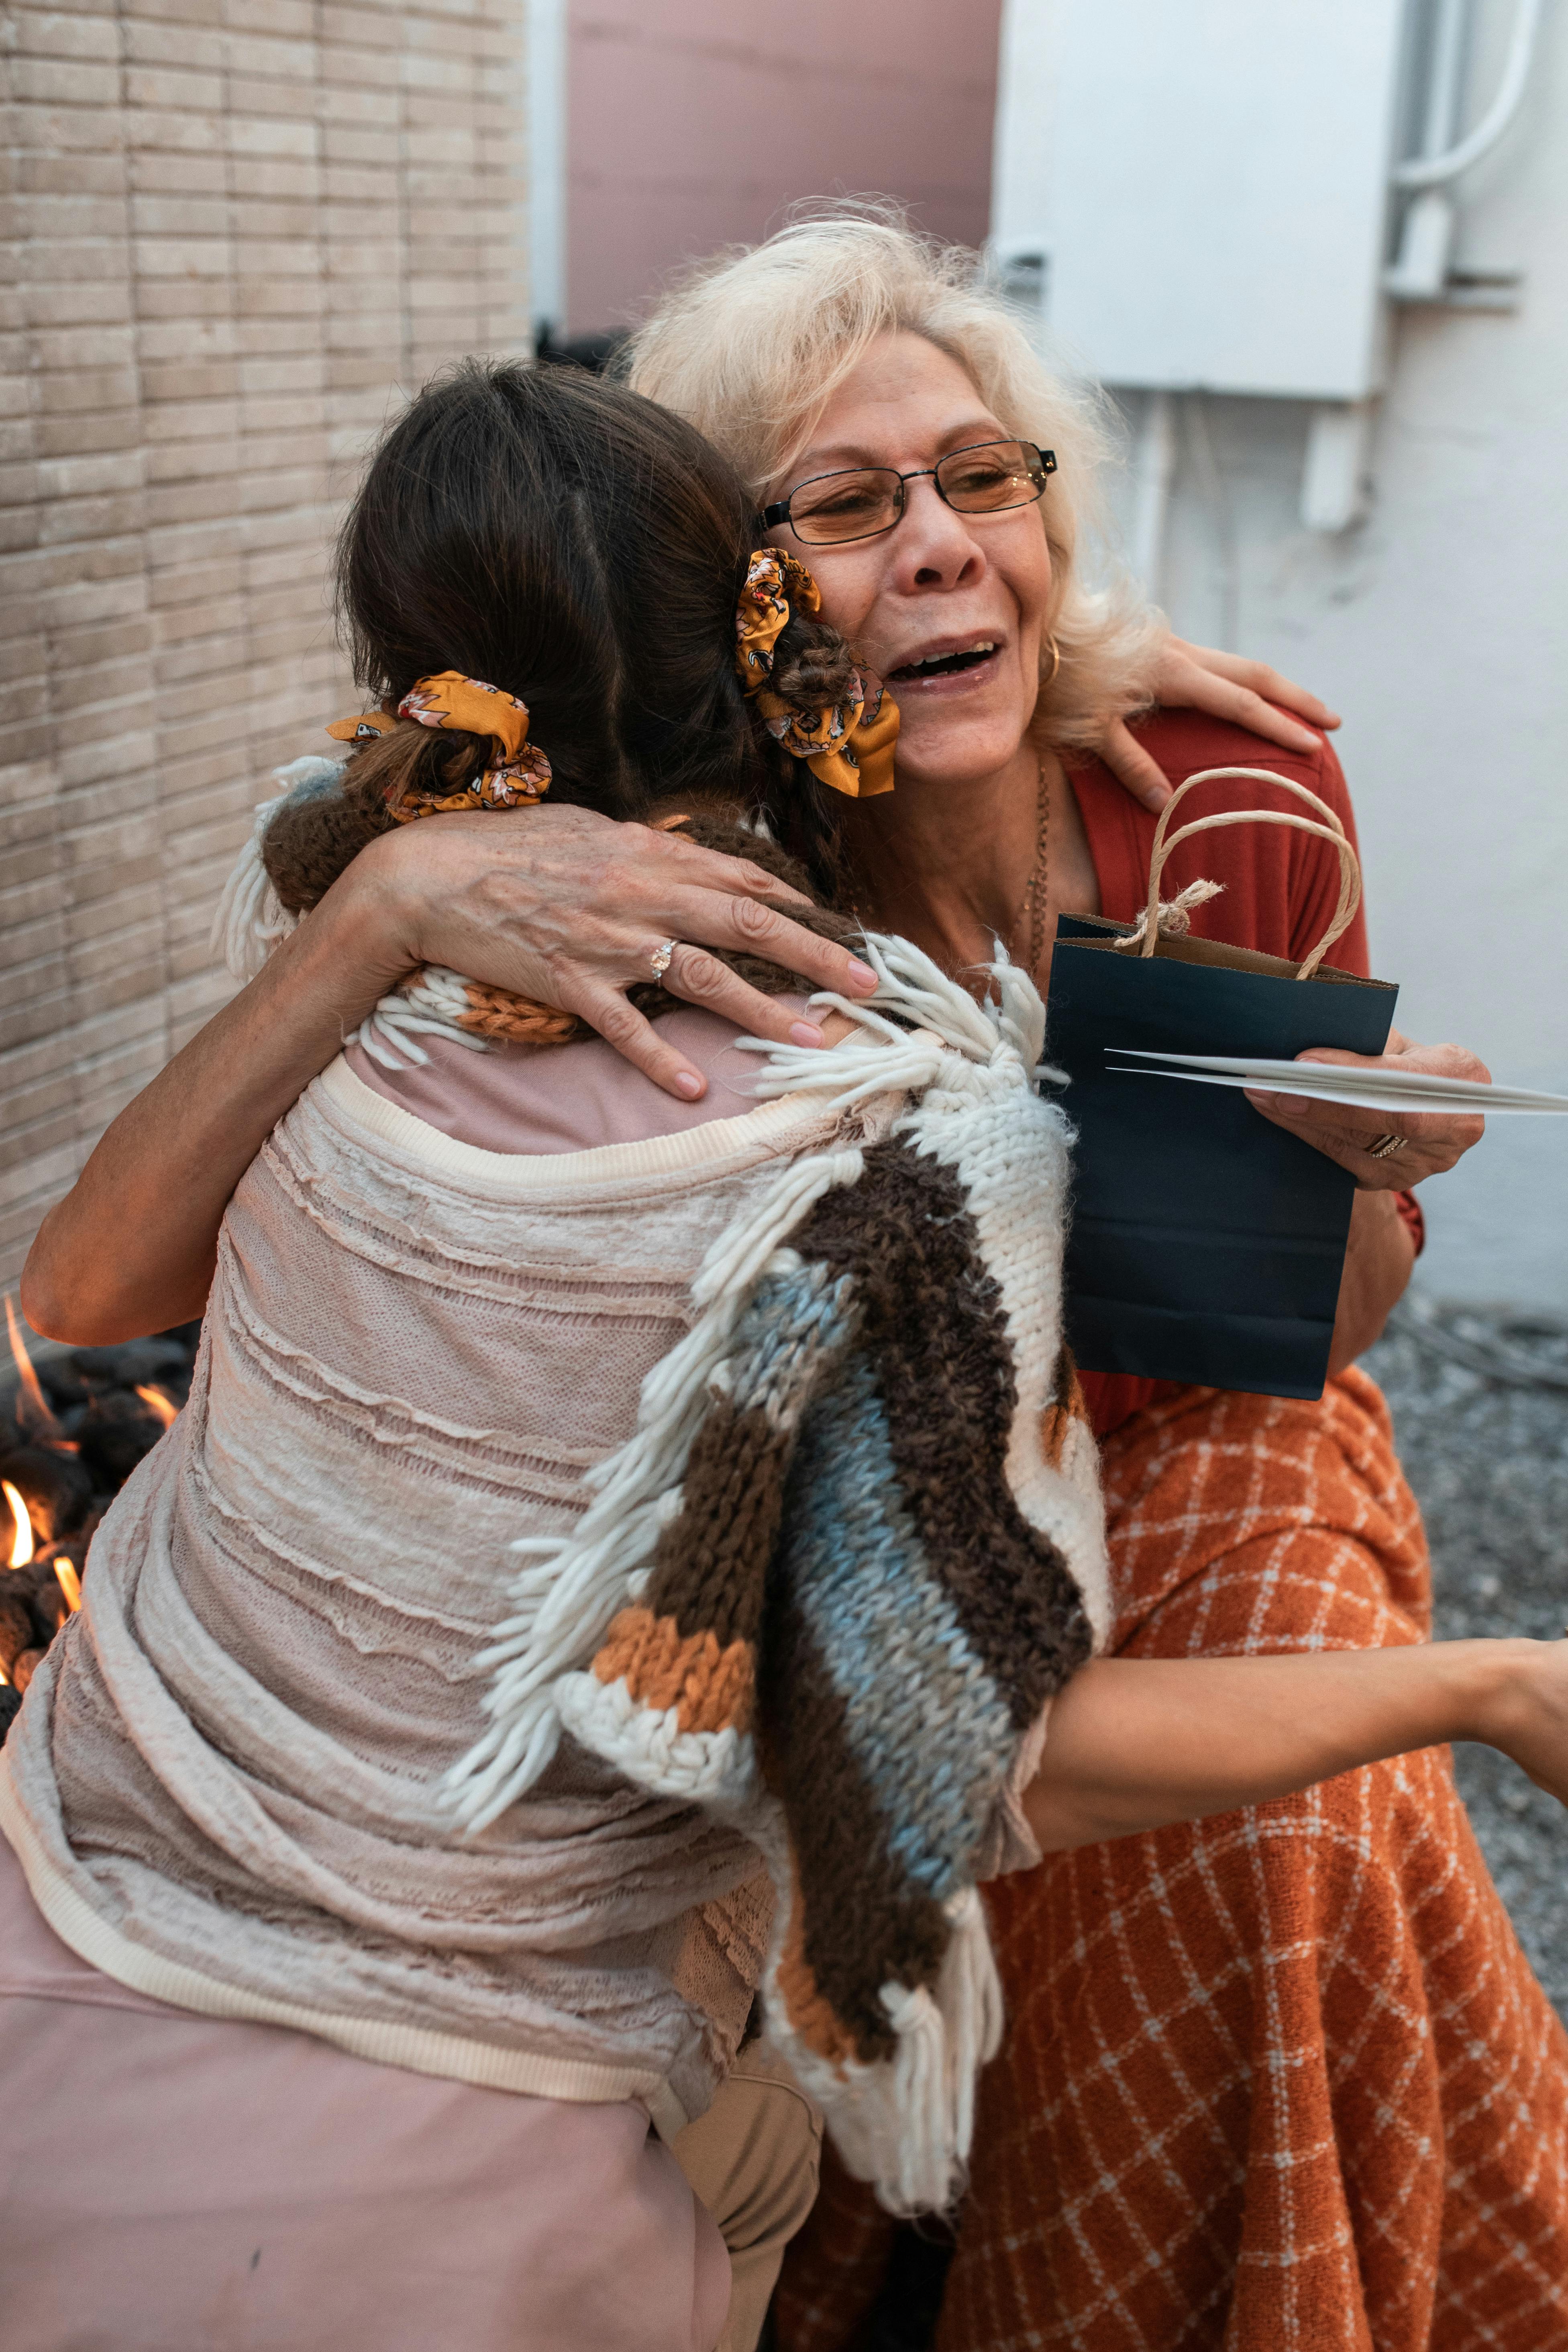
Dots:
(1185, 742)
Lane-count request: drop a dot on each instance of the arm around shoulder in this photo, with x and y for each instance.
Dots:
(132, 1247)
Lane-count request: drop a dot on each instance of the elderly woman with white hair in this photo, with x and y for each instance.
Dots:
(1286, 2060)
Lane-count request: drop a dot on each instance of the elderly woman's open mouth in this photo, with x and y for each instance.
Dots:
(948, 659)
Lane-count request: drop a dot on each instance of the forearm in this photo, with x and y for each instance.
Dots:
(1135, 1743)
(132, 1247)
(1378, 1261)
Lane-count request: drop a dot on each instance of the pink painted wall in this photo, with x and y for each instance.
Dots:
(692, 123)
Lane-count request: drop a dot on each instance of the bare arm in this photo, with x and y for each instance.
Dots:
(1377, 1274)
(555, 904)
(1135, 1743)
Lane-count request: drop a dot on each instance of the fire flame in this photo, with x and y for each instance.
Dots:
(156, 1402)
(22, 1541)
(34, 1409)
(69, 1583)
(34, 1416)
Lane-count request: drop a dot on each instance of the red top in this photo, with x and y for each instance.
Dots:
(1281, 887)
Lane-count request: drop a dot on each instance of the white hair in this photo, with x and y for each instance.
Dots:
(751, 345)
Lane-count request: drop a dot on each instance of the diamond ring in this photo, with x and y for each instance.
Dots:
(1386, 1146)
(660, 958)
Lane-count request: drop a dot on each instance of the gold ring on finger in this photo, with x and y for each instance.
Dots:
(661, 958)
(1386, 1146)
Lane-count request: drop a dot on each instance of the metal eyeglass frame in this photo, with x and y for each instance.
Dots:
(772, 518)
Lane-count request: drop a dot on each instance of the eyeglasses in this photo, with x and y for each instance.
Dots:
(987, 479)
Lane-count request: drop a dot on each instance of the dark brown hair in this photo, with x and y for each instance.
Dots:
(559, 536)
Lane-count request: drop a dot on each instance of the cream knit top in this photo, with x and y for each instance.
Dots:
(225, 1785)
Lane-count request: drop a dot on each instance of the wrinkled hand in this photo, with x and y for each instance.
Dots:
(1226, 686)
(565, 907)
(1433, 1142)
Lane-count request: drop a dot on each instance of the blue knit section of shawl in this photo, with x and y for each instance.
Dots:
(793, 1320)
(924, 1718)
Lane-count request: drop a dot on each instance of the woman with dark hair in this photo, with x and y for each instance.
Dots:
(340, 1981)
(417, 1918)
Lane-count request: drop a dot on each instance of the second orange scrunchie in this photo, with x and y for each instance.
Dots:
(517, 778)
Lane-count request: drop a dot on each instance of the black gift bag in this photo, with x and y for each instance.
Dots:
(1207, 1245)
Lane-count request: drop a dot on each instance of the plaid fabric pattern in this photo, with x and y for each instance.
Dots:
(1283, 2079)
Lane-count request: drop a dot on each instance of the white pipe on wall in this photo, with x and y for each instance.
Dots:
(1427, 170)
(1154, 470)
(547, 160)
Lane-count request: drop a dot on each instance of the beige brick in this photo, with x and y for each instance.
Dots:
(173, 130)
(77, 304)
(183, 257)
(275, 178)
(180, 214)
(210, 338)
(164, 88)
(185, 45)
(57, 81)
(178, 382)
(50, 34)
(65, 173)
(80, 348)
(216, 418)
(77, 214)
(153, 173)
(271, 136)
(94, 259)
(76, 432)
(239, 230)
(286, 100)
(296, 18)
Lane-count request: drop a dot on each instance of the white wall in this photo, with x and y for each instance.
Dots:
(1438, 628)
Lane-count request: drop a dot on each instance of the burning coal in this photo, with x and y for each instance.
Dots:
(72, 1429)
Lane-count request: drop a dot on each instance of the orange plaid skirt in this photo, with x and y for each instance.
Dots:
(1283, 2079)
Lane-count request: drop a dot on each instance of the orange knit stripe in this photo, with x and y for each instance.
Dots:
(808, 2012)
(495, 1014)
(711, 1688)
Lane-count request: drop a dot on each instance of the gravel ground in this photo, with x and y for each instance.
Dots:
(1489, 1461)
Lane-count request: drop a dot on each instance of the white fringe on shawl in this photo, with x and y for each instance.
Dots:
(250, 920)
(431, 1003)
(905, 2125)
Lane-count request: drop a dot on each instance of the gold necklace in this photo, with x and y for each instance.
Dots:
(1037, 888)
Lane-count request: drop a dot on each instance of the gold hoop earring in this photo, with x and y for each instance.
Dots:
(1045, 684)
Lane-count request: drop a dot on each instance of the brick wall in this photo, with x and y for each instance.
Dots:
(239, 230)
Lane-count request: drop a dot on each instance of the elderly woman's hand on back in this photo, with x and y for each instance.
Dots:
(1226, 686)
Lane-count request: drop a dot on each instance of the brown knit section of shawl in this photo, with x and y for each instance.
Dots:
(933, 1323)
(708, 1573)
(855, 1919)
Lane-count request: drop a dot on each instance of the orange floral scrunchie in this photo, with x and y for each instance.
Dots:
(517, 777)
(849, 745)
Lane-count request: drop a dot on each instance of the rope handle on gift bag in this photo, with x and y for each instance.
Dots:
(1333, 831)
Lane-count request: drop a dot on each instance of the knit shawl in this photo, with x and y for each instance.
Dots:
(827, 1589)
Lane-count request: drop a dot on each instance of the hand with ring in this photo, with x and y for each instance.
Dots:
(1381, 1157)
(571, 910)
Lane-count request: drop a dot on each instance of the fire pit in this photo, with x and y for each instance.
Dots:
(75, 1429)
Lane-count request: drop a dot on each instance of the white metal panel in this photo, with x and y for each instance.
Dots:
(1211, 189)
